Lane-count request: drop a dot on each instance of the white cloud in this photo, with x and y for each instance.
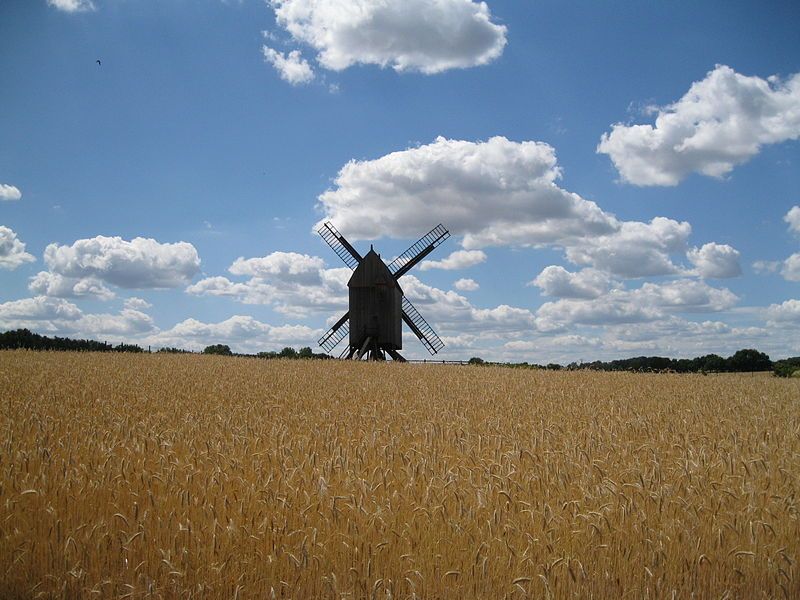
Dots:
(57, 286)
(685, 296)
(766, 266)
(466, 285)
(451, 313)
(407, 35)
(791, 268)
(136, 264)
(299, 285)
(135, 303)
(292, 67)
(242, 333)
(786, 312)
(650, 302)
(293, 284)
(635, 249)
(12, 250)
(721, 122)
(72, 5)
(715, 261)
(793, 219)
(61, 317)
(287, 266)
(9, 193)
(127, 323)
(460, 259)
(557, 281)
(38, 309)
(496, 192)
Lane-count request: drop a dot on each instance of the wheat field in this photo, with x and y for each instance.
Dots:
(184, 476)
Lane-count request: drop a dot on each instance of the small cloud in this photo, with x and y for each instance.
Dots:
(460, 259)
(766, 266)
(135, 303)
(292, 67)
(791, 268)
(715, 261)
(466, 285)
(72, 6)
(12, 250)
(9, 193)
(793, 219)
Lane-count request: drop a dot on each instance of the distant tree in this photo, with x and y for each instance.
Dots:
(288, 352)
(267, 355)
(553, 367)
(713, 363)
(476, 360)
(222, 349)
(788, 367)
(305, 352)
(128, 348)
(747, 360)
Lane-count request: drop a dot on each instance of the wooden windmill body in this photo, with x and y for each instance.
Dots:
(377, 305)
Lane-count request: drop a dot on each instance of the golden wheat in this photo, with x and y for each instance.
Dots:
(158, 476)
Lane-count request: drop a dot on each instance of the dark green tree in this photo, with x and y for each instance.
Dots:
(747, 360)
(222, 349)
(713, 363)
(288, 352)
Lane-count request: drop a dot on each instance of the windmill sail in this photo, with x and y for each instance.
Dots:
(339, 244)
(419, 250)
(421, 328)
(335, 334)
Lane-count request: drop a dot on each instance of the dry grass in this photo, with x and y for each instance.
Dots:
(204, 477)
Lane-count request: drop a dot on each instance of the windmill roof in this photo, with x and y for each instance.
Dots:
(373, 271)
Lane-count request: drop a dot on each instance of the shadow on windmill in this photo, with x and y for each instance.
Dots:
(377, 305)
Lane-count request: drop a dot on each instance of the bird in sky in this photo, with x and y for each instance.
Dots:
(98, 62)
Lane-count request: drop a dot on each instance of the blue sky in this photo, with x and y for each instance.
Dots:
(619, 177)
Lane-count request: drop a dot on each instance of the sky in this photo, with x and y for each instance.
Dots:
(619, 178)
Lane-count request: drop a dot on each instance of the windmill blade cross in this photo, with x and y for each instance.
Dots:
(418, 250)
(335, 334)
(421, 328)
(339, 245)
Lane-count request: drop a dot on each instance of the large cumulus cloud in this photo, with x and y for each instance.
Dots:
(496, 192)
(83, 267)
(428, 36)
(722, 121)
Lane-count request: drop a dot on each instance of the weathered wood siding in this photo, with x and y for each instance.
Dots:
(375, 304)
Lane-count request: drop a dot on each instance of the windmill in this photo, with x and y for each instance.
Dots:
(376, 301)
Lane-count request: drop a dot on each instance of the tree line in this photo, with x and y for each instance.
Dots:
(19, 339)
(24, 338)
(746, 360)
(743, 361)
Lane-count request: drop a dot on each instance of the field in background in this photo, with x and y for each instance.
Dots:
(151, 476)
